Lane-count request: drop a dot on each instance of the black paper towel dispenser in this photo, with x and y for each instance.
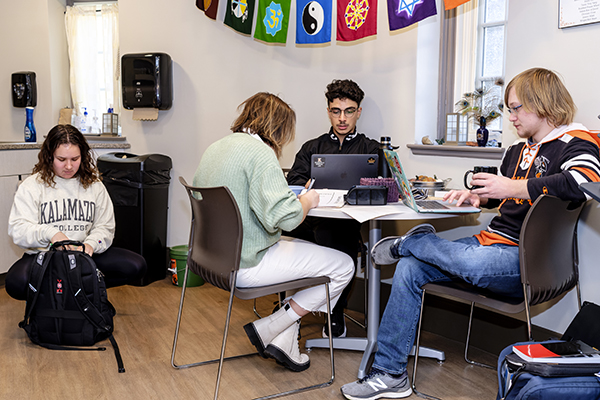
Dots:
(24, 89)
(147, 81)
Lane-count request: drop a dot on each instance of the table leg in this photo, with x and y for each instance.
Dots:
(368, 344)
(374, 290)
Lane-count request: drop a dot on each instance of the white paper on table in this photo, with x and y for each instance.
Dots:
(366, 213)
(331, 197)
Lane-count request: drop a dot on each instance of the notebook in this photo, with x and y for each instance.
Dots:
(342, 171)
(563, 352)
(420, 206)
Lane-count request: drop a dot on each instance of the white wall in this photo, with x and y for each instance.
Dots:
(33, 39)
(215, 69)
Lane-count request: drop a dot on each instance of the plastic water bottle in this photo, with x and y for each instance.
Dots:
(30, 134)
(83, 128)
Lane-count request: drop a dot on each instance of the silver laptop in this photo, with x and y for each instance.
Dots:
(421, 206)
(342, 171)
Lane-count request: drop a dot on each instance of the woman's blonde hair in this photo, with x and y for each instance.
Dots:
(269, 117)
(541, 91)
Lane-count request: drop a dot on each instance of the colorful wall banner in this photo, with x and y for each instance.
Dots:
(402, 13)
(356, 19)
(272, 20)
(209, 7)
(313, 21)
(450, 4)
(239, 15)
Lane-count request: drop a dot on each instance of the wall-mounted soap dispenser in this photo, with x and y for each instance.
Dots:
(147, 81)
(24, 89)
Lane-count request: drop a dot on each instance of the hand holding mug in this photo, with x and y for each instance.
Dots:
(476, 170)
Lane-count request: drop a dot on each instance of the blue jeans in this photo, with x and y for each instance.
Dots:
(429, 258)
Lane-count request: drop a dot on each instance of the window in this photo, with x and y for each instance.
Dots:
(93, 42)
(478, 25)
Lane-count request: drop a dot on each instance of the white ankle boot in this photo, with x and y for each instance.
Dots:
(264, 330)
(285, 349)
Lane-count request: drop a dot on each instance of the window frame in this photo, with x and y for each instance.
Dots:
(447, 66)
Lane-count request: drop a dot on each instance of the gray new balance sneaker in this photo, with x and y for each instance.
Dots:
(387, 250)
(376, 385)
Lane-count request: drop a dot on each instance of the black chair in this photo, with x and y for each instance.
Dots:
(548, 262)
(214, 254)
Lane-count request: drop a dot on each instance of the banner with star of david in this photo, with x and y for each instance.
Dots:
(272, 20)
(450, 4)
(240, 15)
(356, 19)
(402, 13)
(313, 21)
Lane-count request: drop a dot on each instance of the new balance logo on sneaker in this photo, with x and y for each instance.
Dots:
(378, 384)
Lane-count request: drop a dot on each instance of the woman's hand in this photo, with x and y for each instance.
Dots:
(88, 249)
(310, 198)
(59, 237)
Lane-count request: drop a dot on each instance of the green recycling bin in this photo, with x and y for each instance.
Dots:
(178, 263)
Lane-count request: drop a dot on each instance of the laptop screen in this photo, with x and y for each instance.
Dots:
(342, 171)
(400, 178)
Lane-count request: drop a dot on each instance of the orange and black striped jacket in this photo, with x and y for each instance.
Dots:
(566, 157)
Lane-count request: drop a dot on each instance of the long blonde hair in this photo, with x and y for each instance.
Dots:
(269, 117)
(541, 91)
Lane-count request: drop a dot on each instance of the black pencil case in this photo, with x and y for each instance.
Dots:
(360, 195)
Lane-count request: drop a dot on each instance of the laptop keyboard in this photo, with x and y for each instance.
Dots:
(430, 205)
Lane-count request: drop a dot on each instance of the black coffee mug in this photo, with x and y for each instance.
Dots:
(475, 170)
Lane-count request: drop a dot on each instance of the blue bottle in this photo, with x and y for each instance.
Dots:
(29, 127)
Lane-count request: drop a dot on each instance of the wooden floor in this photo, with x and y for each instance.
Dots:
(144, 328)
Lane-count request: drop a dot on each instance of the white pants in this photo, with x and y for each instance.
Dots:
(291, 259)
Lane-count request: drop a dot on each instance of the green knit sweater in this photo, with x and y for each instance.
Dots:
(249, 168)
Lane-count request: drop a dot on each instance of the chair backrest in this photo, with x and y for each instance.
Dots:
(216, 235)
(548, 249)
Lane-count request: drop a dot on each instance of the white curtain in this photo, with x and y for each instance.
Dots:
(466, 48)
(93, 42)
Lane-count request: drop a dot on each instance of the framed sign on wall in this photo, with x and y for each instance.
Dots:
(578, 12)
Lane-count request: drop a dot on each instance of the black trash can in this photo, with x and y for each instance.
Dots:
(139, 189)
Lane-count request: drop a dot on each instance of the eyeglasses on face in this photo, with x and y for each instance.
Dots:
(514, 110)
(348, 112)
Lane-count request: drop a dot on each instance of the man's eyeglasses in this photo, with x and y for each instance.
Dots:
(514, 110)
(348, 112)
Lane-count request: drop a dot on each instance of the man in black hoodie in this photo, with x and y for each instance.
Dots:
(343, 108)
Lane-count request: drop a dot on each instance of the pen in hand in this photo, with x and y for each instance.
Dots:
(312, 182)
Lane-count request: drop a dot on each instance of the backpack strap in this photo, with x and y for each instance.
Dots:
(36, 274)
(85, 305)
(115, 346)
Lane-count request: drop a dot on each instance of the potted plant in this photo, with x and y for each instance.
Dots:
(483, 106)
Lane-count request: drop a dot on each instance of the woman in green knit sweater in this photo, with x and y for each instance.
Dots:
(246, 161)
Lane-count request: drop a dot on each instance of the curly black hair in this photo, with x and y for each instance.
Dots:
(66, 134)
(344, 89)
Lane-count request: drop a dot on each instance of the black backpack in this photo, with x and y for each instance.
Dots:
(67, 303)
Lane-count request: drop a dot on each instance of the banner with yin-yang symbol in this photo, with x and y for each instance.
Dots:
(313, 21)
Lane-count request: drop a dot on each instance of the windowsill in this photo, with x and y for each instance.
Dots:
(492, 153)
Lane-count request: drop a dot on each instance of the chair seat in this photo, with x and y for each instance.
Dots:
(465, 291)
(248, 293)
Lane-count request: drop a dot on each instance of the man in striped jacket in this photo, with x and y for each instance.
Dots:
(555, 157)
